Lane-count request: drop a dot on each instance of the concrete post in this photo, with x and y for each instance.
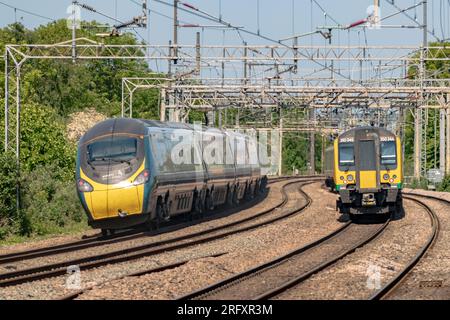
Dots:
(447, 153)
(162, 107)
(417, 141)
(312, 145)
(442, 149)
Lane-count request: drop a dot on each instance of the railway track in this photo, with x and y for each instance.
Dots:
(56, 269)
(98, 240)
(76, 294)
(278, 275)
(389, 288)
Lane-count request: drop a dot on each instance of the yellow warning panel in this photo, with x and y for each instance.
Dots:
(368, 179)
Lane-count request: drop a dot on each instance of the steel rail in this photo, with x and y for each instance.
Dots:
(76, 294)
(396, 282)
(98, 240)
(132, 253)
(273, 264)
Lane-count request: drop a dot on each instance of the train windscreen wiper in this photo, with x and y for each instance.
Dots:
(90, 164)
(120, 161)
(112, 160)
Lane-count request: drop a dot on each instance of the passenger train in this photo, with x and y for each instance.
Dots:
(132, 171)
(364, 165)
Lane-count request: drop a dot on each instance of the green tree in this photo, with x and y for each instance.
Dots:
(49, 201)
(438, 69)
(296, 152)
(8, 212)
(69, 87)
(43, 140)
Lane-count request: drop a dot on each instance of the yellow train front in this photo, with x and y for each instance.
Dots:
(364, 166)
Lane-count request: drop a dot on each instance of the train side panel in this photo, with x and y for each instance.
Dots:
(176, 182)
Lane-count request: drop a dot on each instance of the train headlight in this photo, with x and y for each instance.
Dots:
(350, 178)
(386, 176)
(84, 186)
(142, 178)
(342, 178)
(394, 177)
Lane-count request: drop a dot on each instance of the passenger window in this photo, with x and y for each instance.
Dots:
(216, 152)
(163, 144)
(241, 152)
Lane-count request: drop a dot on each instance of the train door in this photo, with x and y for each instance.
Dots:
(367, 165)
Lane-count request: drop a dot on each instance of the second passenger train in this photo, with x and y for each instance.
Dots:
(364, 165)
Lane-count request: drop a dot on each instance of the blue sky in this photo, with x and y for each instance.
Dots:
(276, 19)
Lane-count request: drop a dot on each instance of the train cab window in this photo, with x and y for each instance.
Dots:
(346, 155)
(112, 159)
(388, 153)
(116, 149)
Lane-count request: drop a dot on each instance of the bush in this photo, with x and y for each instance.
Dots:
(48, 196)
(444, 185)
(43, 140)
(8, 212)
(50, 202)
(419, 184)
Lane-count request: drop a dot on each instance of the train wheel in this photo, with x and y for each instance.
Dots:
(248, 192)
(166, 210)
(257, 189)
(230, 196)
(108, 232)
(399, 205)
(235, 196)
(339, 206)
(263, 184)
(197, 207)
(150, 224)
(162, 212)
(209, 204)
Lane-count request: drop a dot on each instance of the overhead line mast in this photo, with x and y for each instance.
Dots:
(175, 29)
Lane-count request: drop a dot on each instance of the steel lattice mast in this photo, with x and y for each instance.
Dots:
(260, 80)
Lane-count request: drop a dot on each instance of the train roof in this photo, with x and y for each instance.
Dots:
(378, 130)
(137, 127)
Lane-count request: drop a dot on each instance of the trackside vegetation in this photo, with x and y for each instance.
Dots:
(51, 92)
